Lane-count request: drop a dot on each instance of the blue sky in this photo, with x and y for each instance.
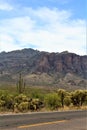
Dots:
(46, 25)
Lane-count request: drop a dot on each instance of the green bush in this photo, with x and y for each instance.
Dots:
(67, 101)
(52, 101)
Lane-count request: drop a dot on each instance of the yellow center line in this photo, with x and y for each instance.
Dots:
(40, 124)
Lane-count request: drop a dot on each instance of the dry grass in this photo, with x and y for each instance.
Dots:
(73, 108)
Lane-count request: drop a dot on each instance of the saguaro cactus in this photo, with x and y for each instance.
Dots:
(20, 84)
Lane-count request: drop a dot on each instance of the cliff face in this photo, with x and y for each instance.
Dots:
(29, 61)
(63, 63)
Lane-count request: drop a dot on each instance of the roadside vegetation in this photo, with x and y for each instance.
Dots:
(35, 99)
(25, 99)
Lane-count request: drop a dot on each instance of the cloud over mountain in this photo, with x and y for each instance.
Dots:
(44, 28)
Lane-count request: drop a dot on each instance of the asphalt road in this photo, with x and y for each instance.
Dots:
(70, 120)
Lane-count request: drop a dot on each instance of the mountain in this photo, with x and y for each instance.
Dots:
(66, 70)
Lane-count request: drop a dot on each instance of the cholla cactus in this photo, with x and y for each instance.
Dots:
(20, 84)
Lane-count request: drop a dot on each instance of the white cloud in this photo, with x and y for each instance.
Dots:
(46, 29)
(7, 43)
(5, 6)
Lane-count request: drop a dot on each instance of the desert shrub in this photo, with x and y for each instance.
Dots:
(2, 103)
(52, 101)
(79, 97)
(23, 106)
(7, 100)
(67, 101)
(62, 94)
(21, 98)
(36, 100)
(36, 104)
(21, 102)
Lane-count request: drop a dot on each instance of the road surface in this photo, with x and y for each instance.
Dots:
(70, 120)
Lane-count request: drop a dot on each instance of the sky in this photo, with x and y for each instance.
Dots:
(45, 25)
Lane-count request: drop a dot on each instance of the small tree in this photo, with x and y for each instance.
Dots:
(20, 84)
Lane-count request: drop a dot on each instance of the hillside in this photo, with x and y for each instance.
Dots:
(62, 70)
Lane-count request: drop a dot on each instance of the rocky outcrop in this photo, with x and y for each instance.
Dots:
(63, 63)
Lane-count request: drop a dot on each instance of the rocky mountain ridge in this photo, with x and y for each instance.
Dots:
(54, 66)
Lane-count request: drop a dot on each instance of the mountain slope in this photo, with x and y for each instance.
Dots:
(43, 68)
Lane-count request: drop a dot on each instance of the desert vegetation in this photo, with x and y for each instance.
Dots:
(39, 99)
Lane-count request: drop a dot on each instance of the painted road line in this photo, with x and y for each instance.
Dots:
(40, 124)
